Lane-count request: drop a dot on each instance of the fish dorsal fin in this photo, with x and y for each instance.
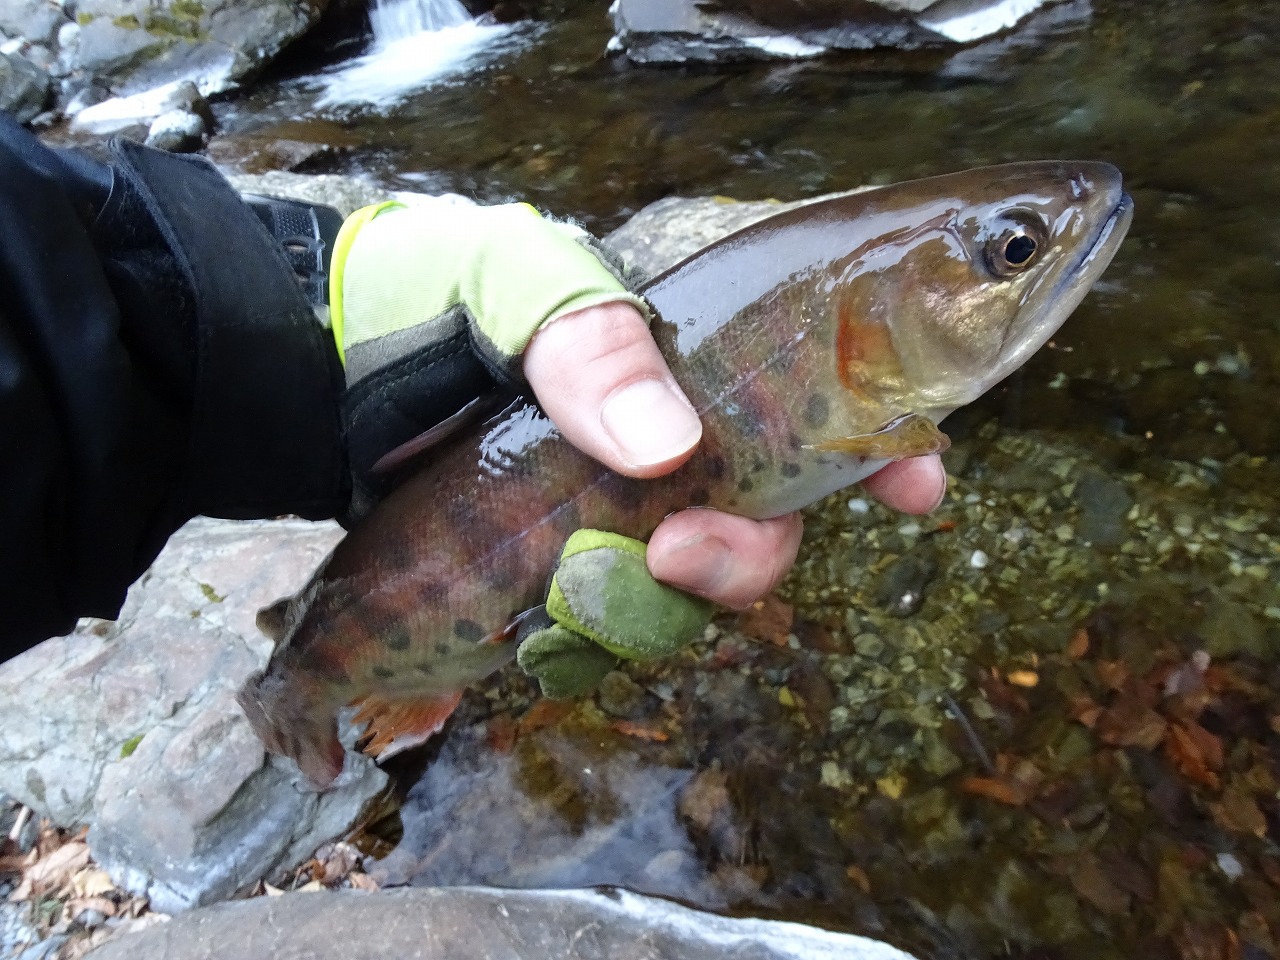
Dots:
(909, 436)
(410, 451)
(393, 726)
(274, 620)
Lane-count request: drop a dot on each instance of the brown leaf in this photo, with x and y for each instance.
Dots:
(1000, 789)
(768, 619)
(1092, 883)
(103, 905)
(1078, 645)
(859, 877)
(1113, 674)
(641, 731)
(1023, 678)
(544, 713)
(1239, 812)
(56, 870)
(501, 732)
(1195, 753)
(1128, 722)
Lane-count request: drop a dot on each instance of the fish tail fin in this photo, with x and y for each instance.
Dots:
(393, 726)
(279, 715)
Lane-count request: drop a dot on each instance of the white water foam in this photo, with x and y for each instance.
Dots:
(416, 43)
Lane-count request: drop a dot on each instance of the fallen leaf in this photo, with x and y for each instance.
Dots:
(1092, 883)
(1000, 789)
(1195, 753)
(1078, 645)
(501, 732)
(641, 731)
(859, 877)
(1129, 722)
(1023, 678)
(768, 619)
(892, 786)
(92, 882)
(271, 891)
(56, 870)
(1238, 812)
(544, 713)
(1112, 674)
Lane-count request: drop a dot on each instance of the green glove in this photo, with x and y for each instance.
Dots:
(603, 605)
(432, 304)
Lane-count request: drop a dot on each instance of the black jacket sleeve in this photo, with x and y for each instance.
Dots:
(157, 361)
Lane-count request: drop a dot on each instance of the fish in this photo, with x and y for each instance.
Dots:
(817, 346)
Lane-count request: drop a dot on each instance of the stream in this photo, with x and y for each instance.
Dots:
(1070, 746)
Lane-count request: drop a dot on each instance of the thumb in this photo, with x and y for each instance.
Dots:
(600, 378)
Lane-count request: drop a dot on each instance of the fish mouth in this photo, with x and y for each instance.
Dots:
(1103, 248)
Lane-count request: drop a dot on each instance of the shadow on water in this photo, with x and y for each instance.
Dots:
(1097, 599)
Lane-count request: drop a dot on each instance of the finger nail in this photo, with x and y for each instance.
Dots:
(700, 564)
(650, 421)
(941, 472)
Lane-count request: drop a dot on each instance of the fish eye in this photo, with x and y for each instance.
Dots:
(1014, 244)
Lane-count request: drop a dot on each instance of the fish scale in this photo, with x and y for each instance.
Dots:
(816, 346)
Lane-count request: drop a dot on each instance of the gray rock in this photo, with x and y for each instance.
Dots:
(35, 20)
(346, 194)
(1104, 503)
(137, 112)
(474, 923)
(214, 43)
(681, 31)
(24, 87)
(132, 726)
(178, 131)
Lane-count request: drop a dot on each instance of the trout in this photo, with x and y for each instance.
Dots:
(817, 346)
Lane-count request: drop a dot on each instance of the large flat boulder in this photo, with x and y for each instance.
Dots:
(132, 726)
(680, 31)
(475, 923)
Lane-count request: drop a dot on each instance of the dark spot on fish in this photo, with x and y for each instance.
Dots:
(628, 494)
(714, 467)
(758, 465)
(468, 630)
(699, 497)
(425, 667)
(381, 672)
(790, 470)
(794, 442)
(397, 639)
(817, 409)
(745, 485)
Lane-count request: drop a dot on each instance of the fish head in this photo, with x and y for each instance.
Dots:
(291, 720)
(986, 267)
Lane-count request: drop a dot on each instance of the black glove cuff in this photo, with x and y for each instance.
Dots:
(265, 429)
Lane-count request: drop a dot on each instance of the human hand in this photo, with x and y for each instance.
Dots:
(599, 376)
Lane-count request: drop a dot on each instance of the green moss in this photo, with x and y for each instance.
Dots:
(130, 745)
(84, 19)
(162, 25)
(187, 9)
(127, 22)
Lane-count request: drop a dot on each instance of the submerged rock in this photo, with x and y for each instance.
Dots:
(178, 131)
(679, 31)
(471, 923)
(132, 726)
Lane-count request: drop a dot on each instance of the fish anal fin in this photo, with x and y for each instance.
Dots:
(912, 435)
(393, 726)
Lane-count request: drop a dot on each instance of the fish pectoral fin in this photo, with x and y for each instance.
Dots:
(909, 436)
(409, 452)
(393, 726)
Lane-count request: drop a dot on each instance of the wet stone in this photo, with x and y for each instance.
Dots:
(900, 588)
(620, 696)
(1104, 501)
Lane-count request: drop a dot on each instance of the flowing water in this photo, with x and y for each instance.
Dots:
(1067, 744)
